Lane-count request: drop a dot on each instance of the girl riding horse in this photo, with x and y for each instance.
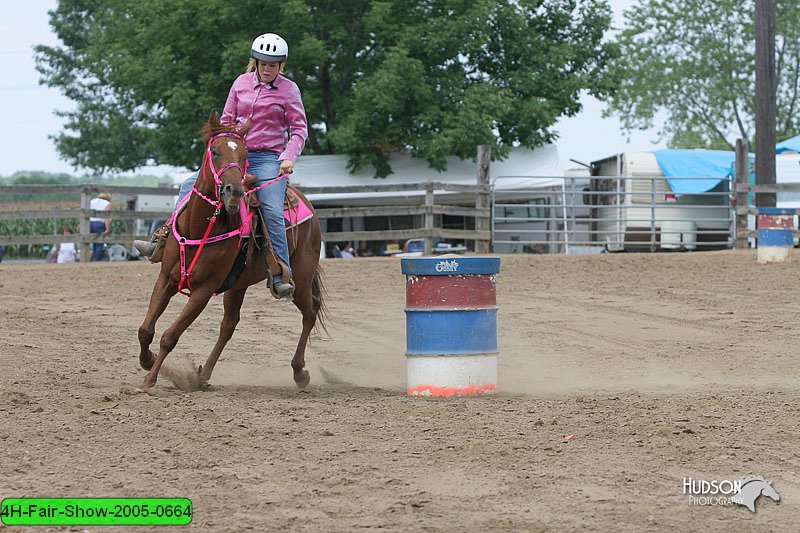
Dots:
(203, 246)
(272, 103)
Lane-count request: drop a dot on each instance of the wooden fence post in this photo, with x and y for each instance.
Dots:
(85, 226)
(483, 199)
(742, 177)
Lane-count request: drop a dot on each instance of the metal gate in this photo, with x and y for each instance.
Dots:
(594, 214)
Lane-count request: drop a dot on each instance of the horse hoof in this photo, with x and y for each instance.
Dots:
(203, 379)
(146, 361)
(303, 379)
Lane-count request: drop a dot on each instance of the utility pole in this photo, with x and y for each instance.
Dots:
(765, 99)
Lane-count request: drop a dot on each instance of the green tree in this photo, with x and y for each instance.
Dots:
(435, 77)
(694, 61)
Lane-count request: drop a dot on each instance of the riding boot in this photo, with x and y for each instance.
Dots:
(154, 248)
(279, 276)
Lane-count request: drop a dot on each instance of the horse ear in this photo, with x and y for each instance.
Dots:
(246, 127)
(213, 119)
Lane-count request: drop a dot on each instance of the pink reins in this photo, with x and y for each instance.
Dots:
(185, 286)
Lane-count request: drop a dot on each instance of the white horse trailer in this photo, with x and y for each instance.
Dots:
(636, 209)
(787, 170)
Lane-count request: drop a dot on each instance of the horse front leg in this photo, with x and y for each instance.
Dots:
(310, 308)
(197, 302)
(232, 303)
(159, 300)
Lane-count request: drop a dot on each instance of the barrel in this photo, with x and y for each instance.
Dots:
(451, 325)
(775, 234)
(678, 235)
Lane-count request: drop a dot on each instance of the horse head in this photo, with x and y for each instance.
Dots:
(752, 488)
(769, 491)
(226, 161)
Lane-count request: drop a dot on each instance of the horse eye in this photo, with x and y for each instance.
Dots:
(214, 152)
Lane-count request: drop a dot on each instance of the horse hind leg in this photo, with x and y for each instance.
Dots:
(309, 307)
(232, 303)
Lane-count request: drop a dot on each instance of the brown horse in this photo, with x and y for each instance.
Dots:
(212, 210)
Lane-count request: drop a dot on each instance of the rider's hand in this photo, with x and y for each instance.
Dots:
(286, 166)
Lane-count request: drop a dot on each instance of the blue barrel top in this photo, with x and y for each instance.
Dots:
(449, 265)
(777, 211)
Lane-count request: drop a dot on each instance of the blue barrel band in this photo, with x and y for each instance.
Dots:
(472, 354)
(451, 332)
(449, 266)
(775, 237)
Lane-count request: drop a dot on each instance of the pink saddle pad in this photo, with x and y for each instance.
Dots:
(297, 215)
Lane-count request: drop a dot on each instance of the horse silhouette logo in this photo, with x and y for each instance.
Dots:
(752, 488)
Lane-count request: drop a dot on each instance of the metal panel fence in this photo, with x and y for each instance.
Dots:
(592, 214)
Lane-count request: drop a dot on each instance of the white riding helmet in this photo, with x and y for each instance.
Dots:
(269, 47)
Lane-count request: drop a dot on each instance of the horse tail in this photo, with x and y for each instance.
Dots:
(318, 293)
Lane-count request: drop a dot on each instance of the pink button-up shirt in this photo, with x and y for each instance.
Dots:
(279, 119)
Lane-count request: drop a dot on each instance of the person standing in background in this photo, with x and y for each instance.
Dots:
(100, 226)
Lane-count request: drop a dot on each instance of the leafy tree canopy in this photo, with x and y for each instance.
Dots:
(435, 77)
(694, 60)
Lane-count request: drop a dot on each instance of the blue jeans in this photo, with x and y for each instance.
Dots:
(265, 166)
(98, 248)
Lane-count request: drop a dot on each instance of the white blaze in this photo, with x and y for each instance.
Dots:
(232, 145)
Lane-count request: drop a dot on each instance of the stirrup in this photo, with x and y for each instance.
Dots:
(281, 289)
(155, 248)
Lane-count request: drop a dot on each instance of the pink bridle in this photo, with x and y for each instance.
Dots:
(208, 157)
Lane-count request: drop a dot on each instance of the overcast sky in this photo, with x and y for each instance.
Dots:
(28, 108)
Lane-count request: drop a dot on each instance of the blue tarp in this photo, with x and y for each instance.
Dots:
(792, 144)
(713, 164)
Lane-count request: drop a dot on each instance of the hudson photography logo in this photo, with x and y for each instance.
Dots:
(728, 492)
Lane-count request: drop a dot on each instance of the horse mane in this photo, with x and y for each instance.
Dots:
(751, 478)
(214, 127)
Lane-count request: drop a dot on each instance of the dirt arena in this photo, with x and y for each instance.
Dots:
(660, 367)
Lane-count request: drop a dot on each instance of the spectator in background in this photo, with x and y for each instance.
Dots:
(347, 251)
(64, 252)
(363, 251)
(100, 226)
(2, 252)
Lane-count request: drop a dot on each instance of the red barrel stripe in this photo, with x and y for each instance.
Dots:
(775, 222)
(451, 292)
